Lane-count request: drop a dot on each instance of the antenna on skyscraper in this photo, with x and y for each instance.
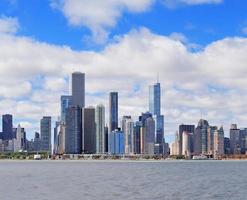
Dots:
(158, 77)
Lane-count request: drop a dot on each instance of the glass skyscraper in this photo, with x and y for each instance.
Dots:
(100, 128)
(45, 132)
(113, 121)
(7, 125)
(66, 102)
(154, 99)
(78, 89)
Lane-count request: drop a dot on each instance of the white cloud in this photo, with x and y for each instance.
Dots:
(97, 15)
(8, 25)
(244, 30)
(211, 81)
(175, 3)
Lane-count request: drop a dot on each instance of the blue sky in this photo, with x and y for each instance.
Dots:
(197, 46)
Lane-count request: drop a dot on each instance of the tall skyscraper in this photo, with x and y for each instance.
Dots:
(66, 102)
(128, 130)
(218, 142)
(78, 89)
(137, 137)
(155, 109)
(116, 142)
(7, 125)
(113, 112)
(73, 130)
(182, 128)
(100, 128)
(200, 137)
(45, 131)
(88, 130)
(235, 139)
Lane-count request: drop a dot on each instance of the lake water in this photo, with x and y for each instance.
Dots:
(106, 180)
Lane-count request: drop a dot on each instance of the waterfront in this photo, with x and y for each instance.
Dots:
(69, 180)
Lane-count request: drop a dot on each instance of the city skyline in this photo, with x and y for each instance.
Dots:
(122, 50)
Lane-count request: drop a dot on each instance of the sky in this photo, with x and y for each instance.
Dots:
(198, 47)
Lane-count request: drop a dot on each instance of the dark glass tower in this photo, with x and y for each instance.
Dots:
(7, 127)
(45, 132)
(113, 121)
(78, 89)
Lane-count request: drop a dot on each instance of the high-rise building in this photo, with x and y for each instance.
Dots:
(88, 130)
(7, 125)
(116, 142)
(155, 109)
(210, 139)
(61, 138)
(149, 136)
(56, 137)
(73, 130)
(218, 142)
(187, 144)
(66, 102)
(137, 137)
(113, 112)
(182, 128)
(100, 128)
(200, 137)
(235, 139)
(128, 130)
(106, 138)
(45, 131)
(78, 89)
(154, 99)
(18, 140)
(37, 142)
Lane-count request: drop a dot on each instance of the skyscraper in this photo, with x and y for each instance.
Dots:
(78, 89)
(235, 139)
(66, 102)
(128, 130)
(200, 137)
(7, 125)
(155, 109)
(73, 130)
(182, 128)
(100, 128)
(113, 112)
(45, 131)
(88, 130)
(218, 142)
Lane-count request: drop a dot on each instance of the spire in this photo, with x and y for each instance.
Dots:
(158, 77)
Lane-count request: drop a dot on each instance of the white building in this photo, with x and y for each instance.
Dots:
(100, 128)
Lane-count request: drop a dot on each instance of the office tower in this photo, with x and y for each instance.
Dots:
(210, 139)
(18, 139)
(116, 142)
(227, 148)
(78, 89)
(182, 128)
(137, 137)
(218, 142)
(106, 138)
(113, 112)
(88, 130)
(128, 130)
(7, 125)
(37, 142)
(100, 128)
(155, 109)
(187, 144)
(73, 130)
(149, 136)
(66, 102)
(243, 140)
(154, 99)
(235, 139)
(55, 137)
(45, 132)
(61, 138)
(200, 138)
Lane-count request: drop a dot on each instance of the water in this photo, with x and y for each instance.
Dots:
(86, 180)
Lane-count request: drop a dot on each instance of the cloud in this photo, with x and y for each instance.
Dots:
(244, 30)
(175, 3)
(98, 16)
(34, 74)
(8, 25)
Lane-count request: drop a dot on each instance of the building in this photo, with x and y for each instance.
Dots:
(200, 138)
(37, 142)
(137, 137)
(218, 143)
(100, 129)
(128, 130)
(187, 144)
(66, 102)
(106, 138)
(227, 148)
(7, 127)
(20, 142)
(45, 132)
(116, 142)
(73, 130)
(155, 110)
(149, 136)
(113, 112)
(78, 89)
(210, 139)
(182, 128)
(88, 130)
(235, 139)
